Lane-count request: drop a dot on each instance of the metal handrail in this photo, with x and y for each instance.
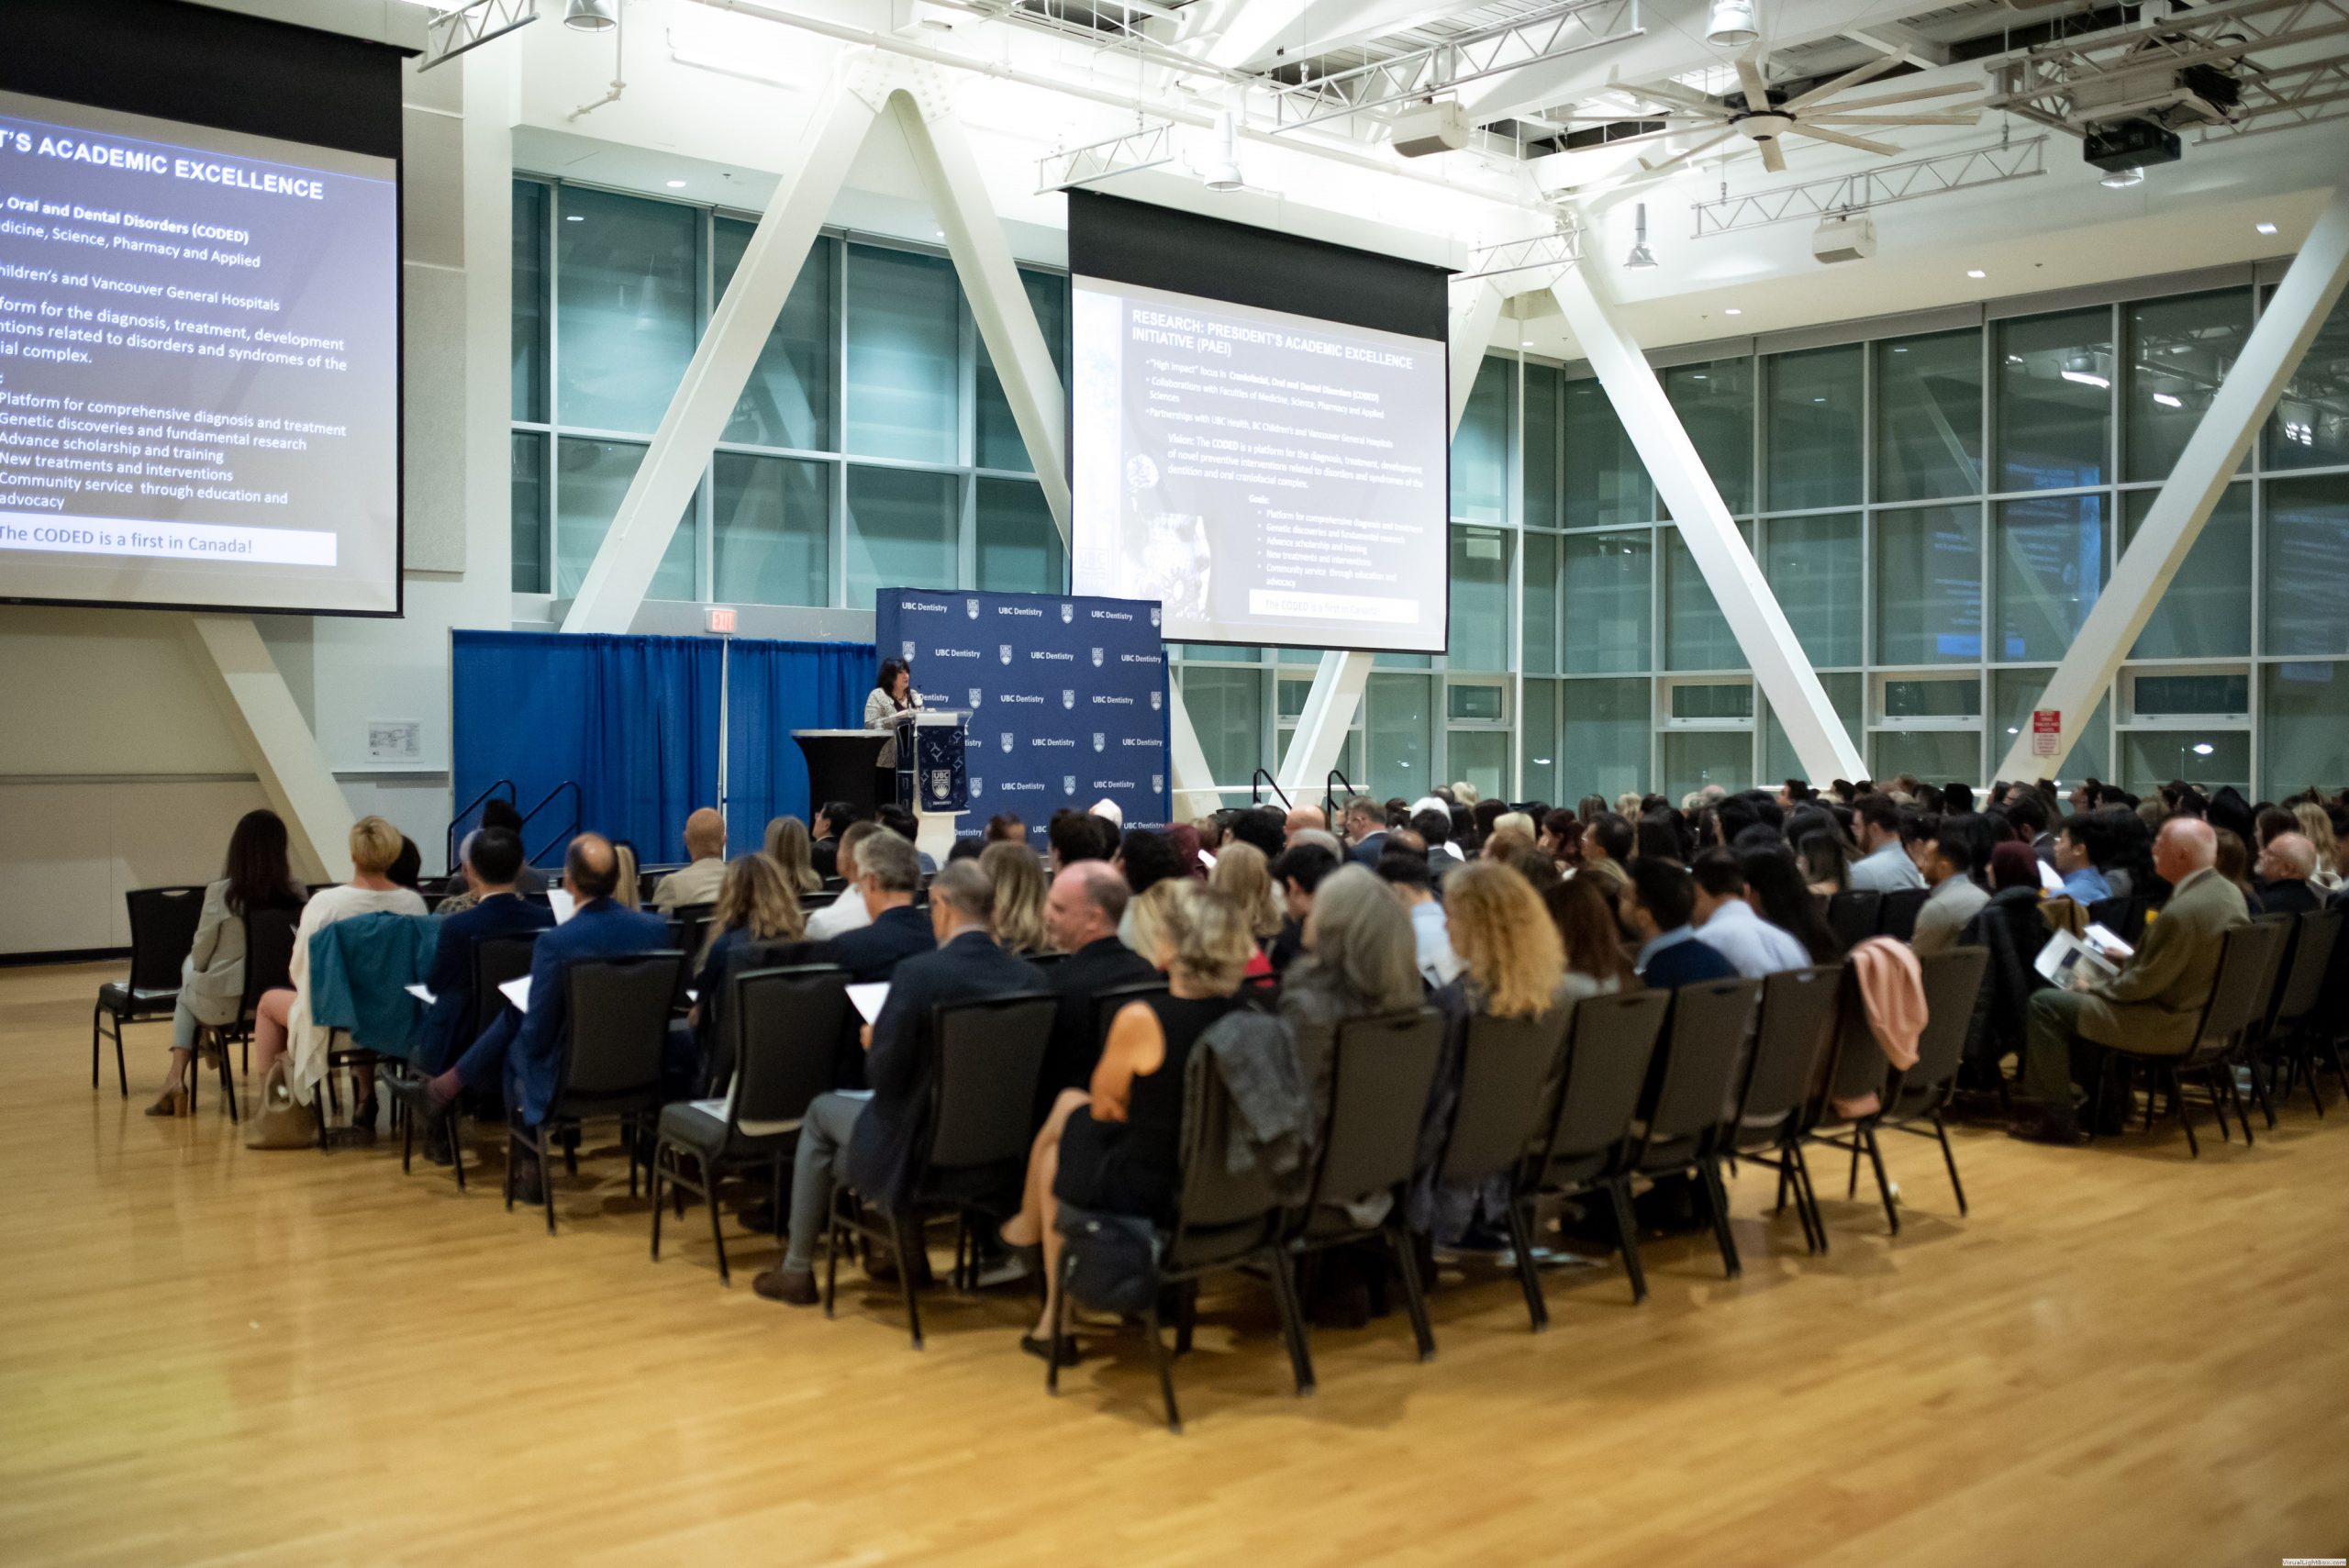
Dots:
(1259, 782)
(569, 832)
(457, 818)
(1329, 794)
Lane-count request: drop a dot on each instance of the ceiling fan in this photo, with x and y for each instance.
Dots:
(1765, 116)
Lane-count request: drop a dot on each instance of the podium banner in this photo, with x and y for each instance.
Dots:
(1067, 697)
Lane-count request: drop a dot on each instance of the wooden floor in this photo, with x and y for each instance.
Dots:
(211, 1355)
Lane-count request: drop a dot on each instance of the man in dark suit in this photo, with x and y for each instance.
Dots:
(1081, 917)
(832, 818)
(876, 1141)
(1658, 903)
(1365, 822)
(2284, 867)
(491, 859)
(525, 1054)
(886, 875)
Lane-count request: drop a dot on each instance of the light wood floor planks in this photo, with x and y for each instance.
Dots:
(211, 1355)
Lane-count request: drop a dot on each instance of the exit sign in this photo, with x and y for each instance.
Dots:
(721, 620)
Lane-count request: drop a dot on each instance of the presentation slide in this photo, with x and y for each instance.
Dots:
(1268, 478)
(199, 366)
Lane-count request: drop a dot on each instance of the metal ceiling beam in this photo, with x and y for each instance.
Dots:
(1874, 187)
(1902, 43)
(1569, 28)
(1136, 151)
(2038, 84)
(452, 33)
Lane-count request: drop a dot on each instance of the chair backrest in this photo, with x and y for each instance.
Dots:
(1046, 960)
(2123, 917)
(1952, 981)
(496, 959)
(1605, 1065)
(162, 930)
(2246, 964)
(1896, 913)
(1853, 917)
(1798, 1008)
(1381, 1069)
(1213, 1196)
(619, 1021)
(2302, 985)
(269, 953)
(1110, 998)
(1711, 1023)
(1858, 1066)
(1506, 1068)
(785, 1024)
(687, 924)
(990, 1053)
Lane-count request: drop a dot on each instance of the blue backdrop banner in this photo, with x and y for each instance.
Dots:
(1067, 696)
(772, 689)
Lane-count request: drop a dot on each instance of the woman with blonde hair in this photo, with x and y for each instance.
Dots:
(1117, 1147)
(1244, 875)
(624, 893)
(1511, 956)
(793, 854)
(2317, 826)
(756, 907)
(1018, 877)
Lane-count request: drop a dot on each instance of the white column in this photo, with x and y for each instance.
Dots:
(2244, 399)
(704, 400)
(1768, 642)
(1194, 793)
(258, 708)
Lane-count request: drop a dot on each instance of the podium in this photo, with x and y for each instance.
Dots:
(839, 766)
(931, 781)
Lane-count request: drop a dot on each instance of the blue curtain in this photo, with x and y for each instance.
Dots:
(633, 720)
(772, 689)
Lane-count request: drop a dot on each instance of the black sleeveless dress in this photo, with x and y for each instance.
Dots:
(1135, 1166)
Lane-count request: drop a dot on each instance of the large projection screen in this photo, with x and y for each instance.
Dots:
(199, 366)
(1270, 474)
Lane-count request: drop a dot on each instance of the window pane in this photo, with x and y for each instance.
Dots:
(1480, 447)
(1398, 729)
(1607, 603)
(772, 538)
(1929, 416)
(1693, 759)
(2311, 425)
(1539, 604)
(998, 433)
(1696, 635)
(1479, 757)
(1726, 700)
(2179, 350)
(530, 395)
(594, 477)
(1605, 480)
(1813, 566)
(1540, 439)
(528, 488)
(1018, 547)
(2210, 758)
(2055, 400)
(1929, 586)
(904, 337)
(1217, 653)
(624, 310)
(1715, 402)
(1932, 699)
(901, 531)
(1843, 695)
(2207, 611)
(1605, 748)
(2161, 696)
(1934, 756)
(1539, 724)
(1227, 709)
(2050, 568)
(788, 400)
(1814, 433)
(1475, 700)
(2012, 693)
(2304, 717)
(1479, 600)
(2307, 568)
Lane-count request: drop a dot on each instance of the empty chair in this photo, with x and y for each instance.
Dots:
(162, 930)
(1695, 1102)
(1859, 1073)
(1853, 917)
(1896, 916)
(1790, 1039)
(784, 1023)
(2294, 1025)
(1920, 1093)
(2245, 964)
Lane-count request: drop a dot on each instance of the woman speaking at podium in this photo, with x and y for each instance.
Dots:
(892, 693)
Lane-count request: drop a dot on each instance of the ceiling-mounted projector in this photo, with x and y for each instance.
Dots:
(1432, 129)
(1848, 238)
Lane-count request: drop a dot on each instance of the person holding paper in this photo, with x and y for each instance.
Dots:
(490, 860)
(874, 1140)
(2154, 1005)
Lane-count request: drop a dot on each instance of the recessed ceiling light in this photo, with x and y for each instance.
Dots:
(676, 184)
(1525, 342)
(1976, 272)
(2166, 401)
(574, 218)
(1732, 310)
(2265, 227)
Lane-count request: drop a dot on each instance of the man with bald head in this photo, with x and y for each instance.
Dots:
(698, 883)
(2153, 1006)
(524, 1050)
(1080, 915)
(2284, 867)
(1301, 818)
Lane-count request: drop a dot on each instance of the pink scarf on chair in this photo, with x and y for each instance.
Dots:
(1892, 988)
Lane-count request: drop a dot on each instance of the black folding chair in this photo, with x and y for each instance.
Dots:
(1853, 917)
(1951, 980)
(1790, 1041)
(1510, 1070)
(497, 962)
(1896, 913)
(1857, 1070)
(2247, 963)
(2296, 1025)
(269, 966)
(1110, 1000)
(782, 1023)
(2124, 918)
(609, 1061)
(990, 1052)
(162, 931)
(1695, 1104)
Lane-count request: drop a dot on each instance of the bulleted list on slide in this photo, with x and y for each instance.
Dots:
(198, 356)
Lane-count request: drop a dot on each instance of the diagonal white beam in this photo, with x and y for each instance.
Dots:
(1768, 642)
(704, 400)
(259, 709)
(2294, 314)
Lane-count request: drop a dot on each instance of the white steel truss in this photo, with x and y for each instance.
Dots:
(2042, 84)
(1146, 147)
(452, 33)
(1560, 250)
(1554, 33)
(1875, 187)
(2292, 97)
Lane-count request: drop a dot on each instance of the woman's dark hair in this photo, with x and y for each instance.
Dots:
(1777, 886)
(407, 869)
(1820, 858)
(1150, 859)
(1584, 917)
(890, 669)
(260, 875)
(1658, 839)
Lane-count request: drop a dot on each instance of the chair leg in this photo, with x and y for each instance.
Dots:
(456, 1125)
(1165, 1367)
(2177, 1103)
(227, 1085)
(652, 1186)
(1627, 1232)
(1189, 1295)
(1806, 1193)
(1883, 1183)
(1407, 1263)
(1060, 1324)
(546, 1177)
(122, 1074)
(1717, 1200)
(905, 1275)
(2234, 1097)
(1948, 1158)
(97, 1011)
(1852, 1183)
(408, 1145)
(717, 1225)
(1301, 1353)
(832, 1251)
(1537, 1311)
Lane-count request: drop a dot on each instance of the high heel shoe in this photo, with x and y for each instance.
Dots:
(362, 1120)
(172, 1102)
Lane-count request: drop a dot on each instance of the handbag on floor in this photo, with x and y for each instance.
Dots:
(279, 1121)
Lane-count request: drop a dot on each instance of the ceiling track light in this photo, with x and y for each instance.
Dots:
(591, 15)
(1223, 173)
(1730, 24)
(2122, 179)
(1640, 255)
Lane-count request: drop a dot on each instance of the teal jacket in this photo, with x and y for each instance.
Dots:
(360, 969)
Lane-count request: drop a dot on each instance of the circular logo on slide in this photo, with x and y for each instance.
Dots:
(1142, 473)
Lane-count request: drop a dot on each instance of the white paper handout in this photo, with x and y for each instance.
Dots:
(2069, 961)
(421, 995)
(562, 902)
(868, 999)
(518, 993)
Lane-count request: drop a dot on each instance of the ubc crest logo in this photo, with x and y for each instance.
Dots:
(1099, 740)
(906, 650)
(1096, 659)
(978, 786)
(976, 694)
(1157, 785)
(1006, 740)
(971, 609)
(1068, 697)
(1068, 784)
(1153, 614)
(1156, 700)
(1068, 614)
(1003, 651)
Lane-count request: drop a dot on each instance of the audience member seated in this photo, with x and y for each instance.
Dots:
(793, 854)
(1360, 959)
(1081, 914)
(2153, 1006)
(1731, 926)
(257, 876)
(1145, 859)
(1606, 843)
(2012, 930)
(407, 869)
(1116, 1147)
(1365, 830)
(1301, 818)
(846, 912)
(1774, 887)
(904, 824)
(699, 881)
(2080, 844)
(490, 860)
(1406, 874)
(2235, 864)
(1561, 837)
(1885, 865)
(1298, 873)
(1006, 827)
(1660, 836)
(1185, 840)
(875, 1142)
(523, 1052)
(2286, 873)
(2316, 826)
(756, 909)
(886, 878)
(1826, 868)
(628, 892)
(282, 1017)
(1018, 877)
(1584, 913)
(1259, 827)
(832, 818)
(1956, 898)
(1244, 875)
(499, 812)
(1069, 838)
(1657, 903)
